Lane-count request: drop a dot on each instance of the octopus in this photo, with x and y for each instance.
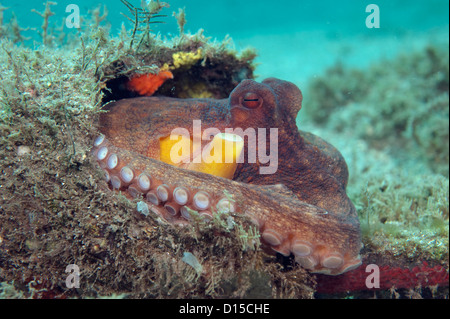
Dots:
(301, 208)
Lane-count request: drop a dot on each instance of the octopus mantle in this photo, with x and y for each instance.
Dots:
(301, 209)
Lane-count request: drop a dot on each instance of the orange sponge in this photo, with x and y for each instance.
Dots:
(147, 84)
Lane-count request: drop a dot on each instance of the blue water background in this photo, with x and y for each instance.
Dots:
(295, 39)
(237, 17)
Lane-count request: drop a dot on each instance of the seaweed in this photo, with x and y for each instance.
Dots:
(142, 18)
(46, 14)
(181, 19)
(414, 216)
(399, 105)
(99, 18)
(2, 8)
(12, 29)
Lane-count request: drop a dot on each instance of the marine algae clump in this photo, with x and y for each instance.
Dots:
(185, 59)
(400, 105)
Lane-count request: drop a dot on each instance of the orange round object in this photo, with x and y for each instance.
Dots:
(147, 84)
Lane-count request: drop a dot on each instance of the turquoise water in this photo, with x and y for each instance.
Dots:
(295, 39)
(235, 17)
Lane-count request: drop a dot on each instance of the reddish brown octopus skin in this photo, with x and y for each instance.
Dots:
(301, 209)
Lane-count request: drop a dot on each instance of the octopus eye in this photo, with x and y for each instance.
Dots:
(251, 100)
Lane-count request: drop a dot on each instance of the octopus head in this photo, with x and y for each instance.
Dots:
(254, 104)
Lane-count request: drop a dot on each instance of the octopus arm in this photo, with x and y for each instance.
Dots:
(321, 242)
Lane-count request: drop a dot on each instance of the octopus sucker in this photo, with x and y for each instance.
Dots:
(181, 195)
(152, 198)
(126, 175)
(332, 261)
(164, 192)
(172, 208)
(300, 248)
(301, 209)
(201, 200)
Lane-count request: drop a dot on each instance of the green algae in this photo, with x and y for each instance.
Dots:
(391, 123)
(406, 215)
(399, 105)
